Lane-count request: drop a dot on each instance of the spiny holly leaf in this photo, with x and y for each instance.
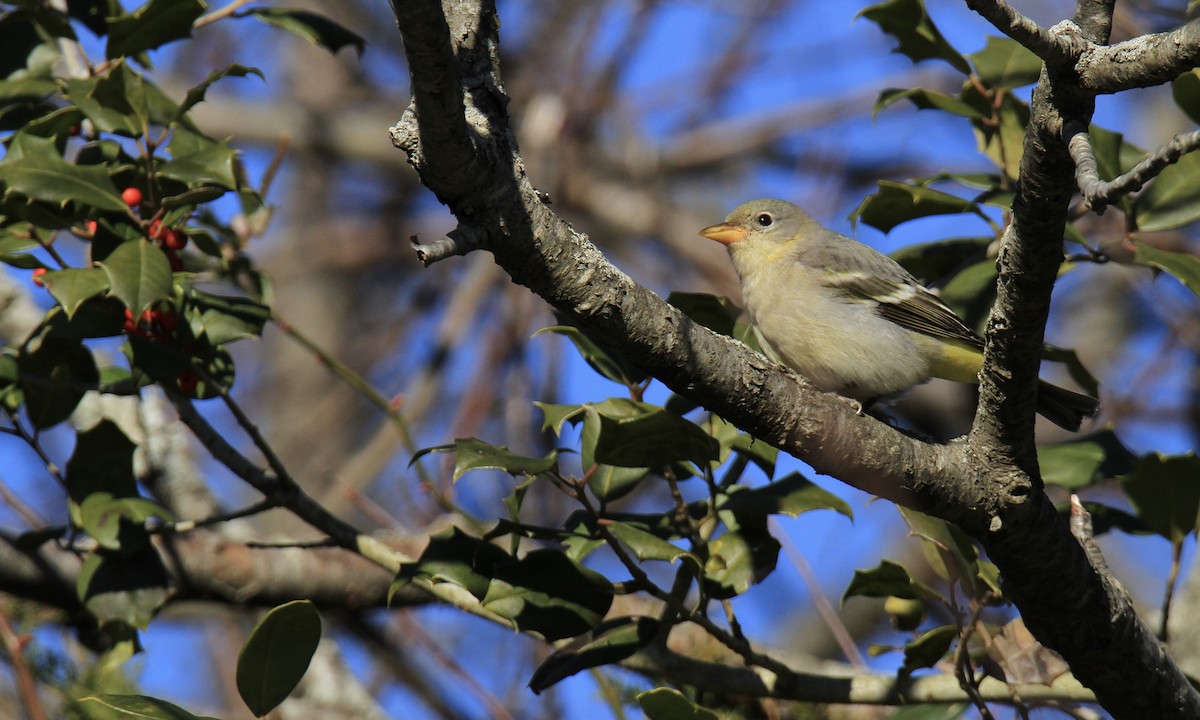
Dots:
(474, 454)
(315, 28)
(127, 587)
(1006, 63)
(1165, 490)
(197, 161)
(792, 495)
(1184, 267)
(196, 94)
(276, 655)
(38, 172)
(225, 318)
(1085, 461)
(928, 649)
(139, 273)
(925, 100)
(887, 580)
(101, 462)
(548, 593)
(454, 557)
(918, 37)
(609, 642)
(738, 560)
(896, 202)
(152, 25)
(1172, 199)
(646, 546)
(607, 364)
(72, 287)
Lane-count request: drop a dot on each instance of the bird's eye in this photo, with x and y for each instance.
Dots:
(765, 219)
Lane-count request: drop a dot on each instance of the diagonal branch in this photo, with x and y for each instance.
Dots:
(987, 485)
(1144, 61)
(1055, 49)
(1100, 194)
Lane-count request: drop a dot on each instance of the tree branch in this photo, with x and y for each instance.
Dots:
(1100, 194)
(1144, 61)
(987, 485)
(1055, 49)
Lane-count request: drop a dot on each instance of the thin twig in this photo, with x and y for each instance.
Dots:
(220, 14)
(1099, 194)
(26, 682)
(1172, 578)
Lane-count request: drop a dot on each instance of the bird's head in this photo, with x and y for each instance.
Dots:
(760, 222)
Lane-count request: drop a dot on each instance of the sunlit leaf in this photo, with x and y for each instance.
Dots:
(276, 655)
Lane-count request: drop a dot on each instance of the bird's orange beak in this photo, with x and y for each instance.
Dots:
(724, 233)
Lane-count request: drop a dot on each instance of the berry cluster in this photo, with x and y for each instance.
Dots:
(158, 325)
(171, 240)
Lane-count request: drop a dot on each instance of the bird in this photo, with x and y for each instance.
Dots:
(849, 318)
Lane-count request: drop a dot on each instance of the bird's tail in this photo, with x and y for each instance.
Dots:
(1063, 407)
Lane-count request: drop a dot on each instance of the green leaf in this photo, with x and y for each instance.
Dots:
(792, 495)
(925, 100)
(948, 550)
(609, 642)
(933, 261)
(72, 287)
(54, 378)
(127, 587)
(716, 314)
(101, 515)
(224, 318)
(971, 292)
(152, 25)
(1006, 63)
(653, 439)
(197, 161)
(276, 655)
(454, 557)
(548, 593)
(1184, 267)
(314, 28)
(137, 707)
(1172, 199)
(39, 172)
(918, 38)
(474, 454)
(610, 366)
(670, 704)
(1085, 461)
(1186, 91)
(554, 415)
(1000, 134)
(610, 483)
(1165, 491)
(738, 560)
(646, 546)
(895, 203)
(928, 649)
(196, 94)
(887, 580)
(101, 462)
(140, 274)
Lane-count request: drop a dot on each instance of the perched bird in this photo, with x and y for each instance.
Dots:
(851, 319)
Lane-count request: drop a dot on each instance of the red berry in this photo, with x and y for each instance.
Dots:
(131, 196)
(176, 262)
(175, 240)
(129, 326)
(188, 382)
(166, 320)
(156, 230)
(91, 226)
(37, 276)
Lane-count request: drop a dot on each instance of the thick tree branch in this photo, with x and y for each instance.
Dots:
(987, 486)
(1053, 48)
(1140, 62)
